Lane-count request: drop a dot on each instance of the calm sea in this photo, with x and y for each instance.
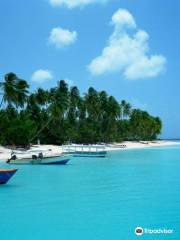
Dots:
(95, 199)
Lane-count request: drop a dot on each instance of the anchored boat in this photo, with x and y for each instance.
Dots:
(43, 158)
(86, 150)
(6, 174)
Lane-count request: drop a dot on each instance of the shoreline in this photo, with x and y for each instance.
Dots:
(5, 153)
(133, 145)
(142, 144)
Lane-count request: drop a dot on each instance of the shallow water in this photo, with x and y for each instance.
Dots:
(94, 199)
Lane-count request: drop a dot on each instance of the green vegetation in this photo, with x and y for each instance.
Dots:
(60, 115)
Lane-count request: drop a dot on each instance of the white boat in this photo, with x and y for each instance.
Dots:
(85, 150)
(38, 157)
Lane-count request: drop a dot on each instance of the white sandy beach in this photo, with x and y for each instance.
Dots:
(5, 153)
(141, 144)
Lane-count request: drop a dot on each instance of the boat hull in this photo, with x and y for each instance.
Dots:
(6, 174)
(91, 151)
(90, 154)
(59, 160)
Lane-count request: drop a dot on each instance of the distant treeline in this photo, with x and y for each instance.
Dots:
(61, 115)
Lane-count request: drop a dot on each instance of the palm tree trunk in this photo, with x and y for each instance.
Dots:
(41, 130)
(1, 102)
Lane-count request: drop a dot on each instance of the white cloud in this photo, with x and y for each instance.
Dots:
(127, 51)
(62, 37)
(41, 76)
(145, 68)
(123, 18)
(74, 3)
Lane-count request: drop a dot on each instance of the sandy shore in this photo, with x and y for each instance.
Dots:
(141, 144)
(5, 153)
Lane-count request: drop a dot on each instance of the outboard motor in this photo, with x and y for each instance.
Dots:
(41, 155)
(13, 157)
(34, 157)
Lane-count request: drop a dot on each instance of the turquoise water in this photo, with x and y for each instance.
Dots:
(94, 199)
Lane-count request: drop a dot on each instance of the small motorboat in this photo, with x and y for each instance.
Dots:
(6, 174)
(41, 159)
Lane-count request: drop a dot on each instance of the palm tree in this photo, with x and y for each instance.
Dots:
(72, 119)
(113, 111)
(113, 108)
(125, 109)
(9, 88)
(59, 101)
(21, 92)
(15, 90)
(74, 99)
(42, 97)
(82, 112)
(103, 115)
(92, 104)
(103, 98)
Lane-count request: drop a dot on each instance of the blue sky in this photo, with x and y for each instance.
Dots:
(130, 48)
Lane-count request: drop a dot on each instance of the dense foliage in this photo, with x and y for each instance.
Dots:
(60, 115)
